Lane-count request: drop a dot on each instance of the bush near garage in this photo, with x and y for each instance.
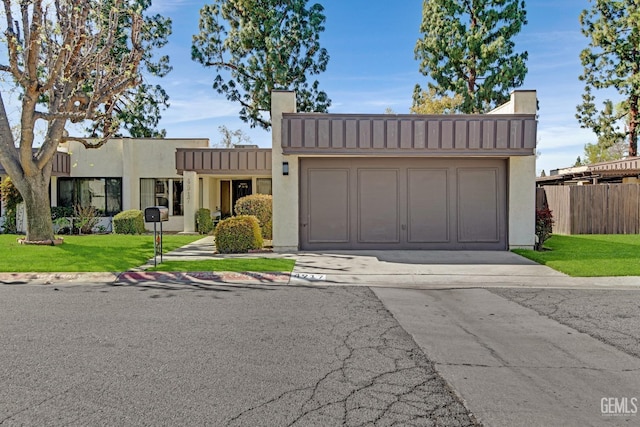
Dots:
(261, 206)
(204, 223)
(544, 227)
(238, 234)
(129, 222)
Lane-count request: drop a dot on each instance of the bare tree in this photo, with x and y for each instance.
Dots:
(72, 60)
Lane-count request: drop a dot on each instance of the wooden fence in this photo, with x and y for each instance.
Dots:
(593, 209)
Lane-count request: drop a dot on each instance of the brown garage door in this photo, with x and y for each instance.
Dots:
(397, 203)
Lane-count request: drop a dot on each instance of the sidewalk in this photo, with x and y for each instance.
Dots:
(399, 269)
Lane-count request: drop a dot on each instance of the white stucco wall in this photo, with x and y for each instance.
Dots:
(132, 159)
(522, 202)
(522, 178)
(285, 188)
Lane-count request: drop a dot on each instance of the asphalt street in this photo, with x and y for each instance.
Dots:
(169, 354)
(611, 315)
(514, 367)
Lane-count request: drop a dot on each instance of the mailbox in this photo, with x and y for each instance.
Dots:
(156, 214)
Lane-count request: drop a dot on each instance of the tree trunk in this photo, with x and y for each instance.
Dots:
(35, 192)
(633, 127)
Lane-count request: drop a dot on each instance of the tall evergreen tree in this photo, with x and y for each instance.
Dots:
(467, 49)
(256, 46)
(611, 61)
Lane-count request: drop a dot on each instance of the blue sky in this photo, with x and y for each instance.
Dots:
(372, 67)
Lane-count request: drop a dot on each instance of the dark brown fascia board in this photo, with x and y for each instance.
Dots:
(253, 173)
(409, 116)
(406, 153)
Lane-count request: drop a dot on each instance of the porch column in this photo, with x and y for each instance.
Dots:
(190, 202)
(285, 187)
(54, 191)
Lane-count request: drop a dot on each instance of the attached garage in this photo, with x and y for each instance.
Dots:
(364, 203)
(363, 181)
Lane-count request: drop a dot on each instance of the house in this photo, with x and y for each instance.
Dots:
(600, 198)
(345, 181)
(127, 173)
(623, 171)
(339, 181)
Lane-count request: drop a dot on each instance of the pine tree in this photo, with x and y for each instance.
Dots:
(256, 46)
(467, 49)
(611, 61)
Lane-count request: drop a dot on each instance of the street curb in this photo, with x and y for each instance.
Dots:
(48, 278)
(133, 277)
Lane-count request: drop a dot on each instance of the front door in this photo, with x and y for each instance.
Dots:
(241, 188)
(225, 198)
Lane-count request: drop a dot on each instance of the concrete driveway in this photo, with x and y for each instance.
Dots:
(438, 269)
(421, 268)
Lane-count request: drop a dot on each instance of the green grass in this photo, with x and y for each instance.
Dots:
(230, 264)
(591, 255)
(92, 253)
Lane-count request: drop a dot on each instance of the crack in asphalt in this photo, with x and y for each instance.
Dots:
(586, 311)
(585, 368)
(379, 377)
(36, 404)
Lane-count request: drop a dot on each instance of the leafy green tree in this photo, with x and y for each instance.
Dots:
(72, 61)
(467, 49)
(139, 109)
(611, 61)
(256, 46)
(430, 103)
(596, 153)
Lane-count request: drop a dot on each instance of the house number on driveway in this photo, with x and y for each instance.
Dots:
(308, 276)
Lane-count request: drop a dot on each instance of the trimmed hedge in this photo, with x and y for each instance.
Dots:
(204, 223)
(129, 222)
(261, 206)
(238, 234)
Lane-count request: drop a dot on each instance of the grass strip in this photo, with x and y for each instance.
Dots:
(90, 253)
(593, 255)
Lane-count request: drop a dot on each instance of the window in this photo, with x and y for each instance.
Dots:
(264, 185)
(104, 194)
(162, 192)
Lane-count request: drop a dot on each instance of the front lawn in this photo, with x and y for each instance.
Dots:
(271, 265)
(590, 255)
(91, 253)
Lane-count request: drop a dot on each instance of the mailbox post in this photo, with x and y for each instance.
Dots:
(156, 214)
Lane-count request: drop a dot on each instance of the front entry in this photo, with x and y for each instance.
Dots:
(241, 188)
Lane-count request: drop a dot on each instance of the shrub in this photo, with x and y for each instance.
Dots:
(238, 234)
(11, 197)
(129, 222)
(544, 226)
(204, 223)
(61, 212)
(85, 219)
(261, 206)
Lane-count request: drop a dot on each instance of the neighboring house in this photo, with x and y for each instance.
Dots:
(601, 198)
(624, 171)
(339, 181)
(128, 173)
